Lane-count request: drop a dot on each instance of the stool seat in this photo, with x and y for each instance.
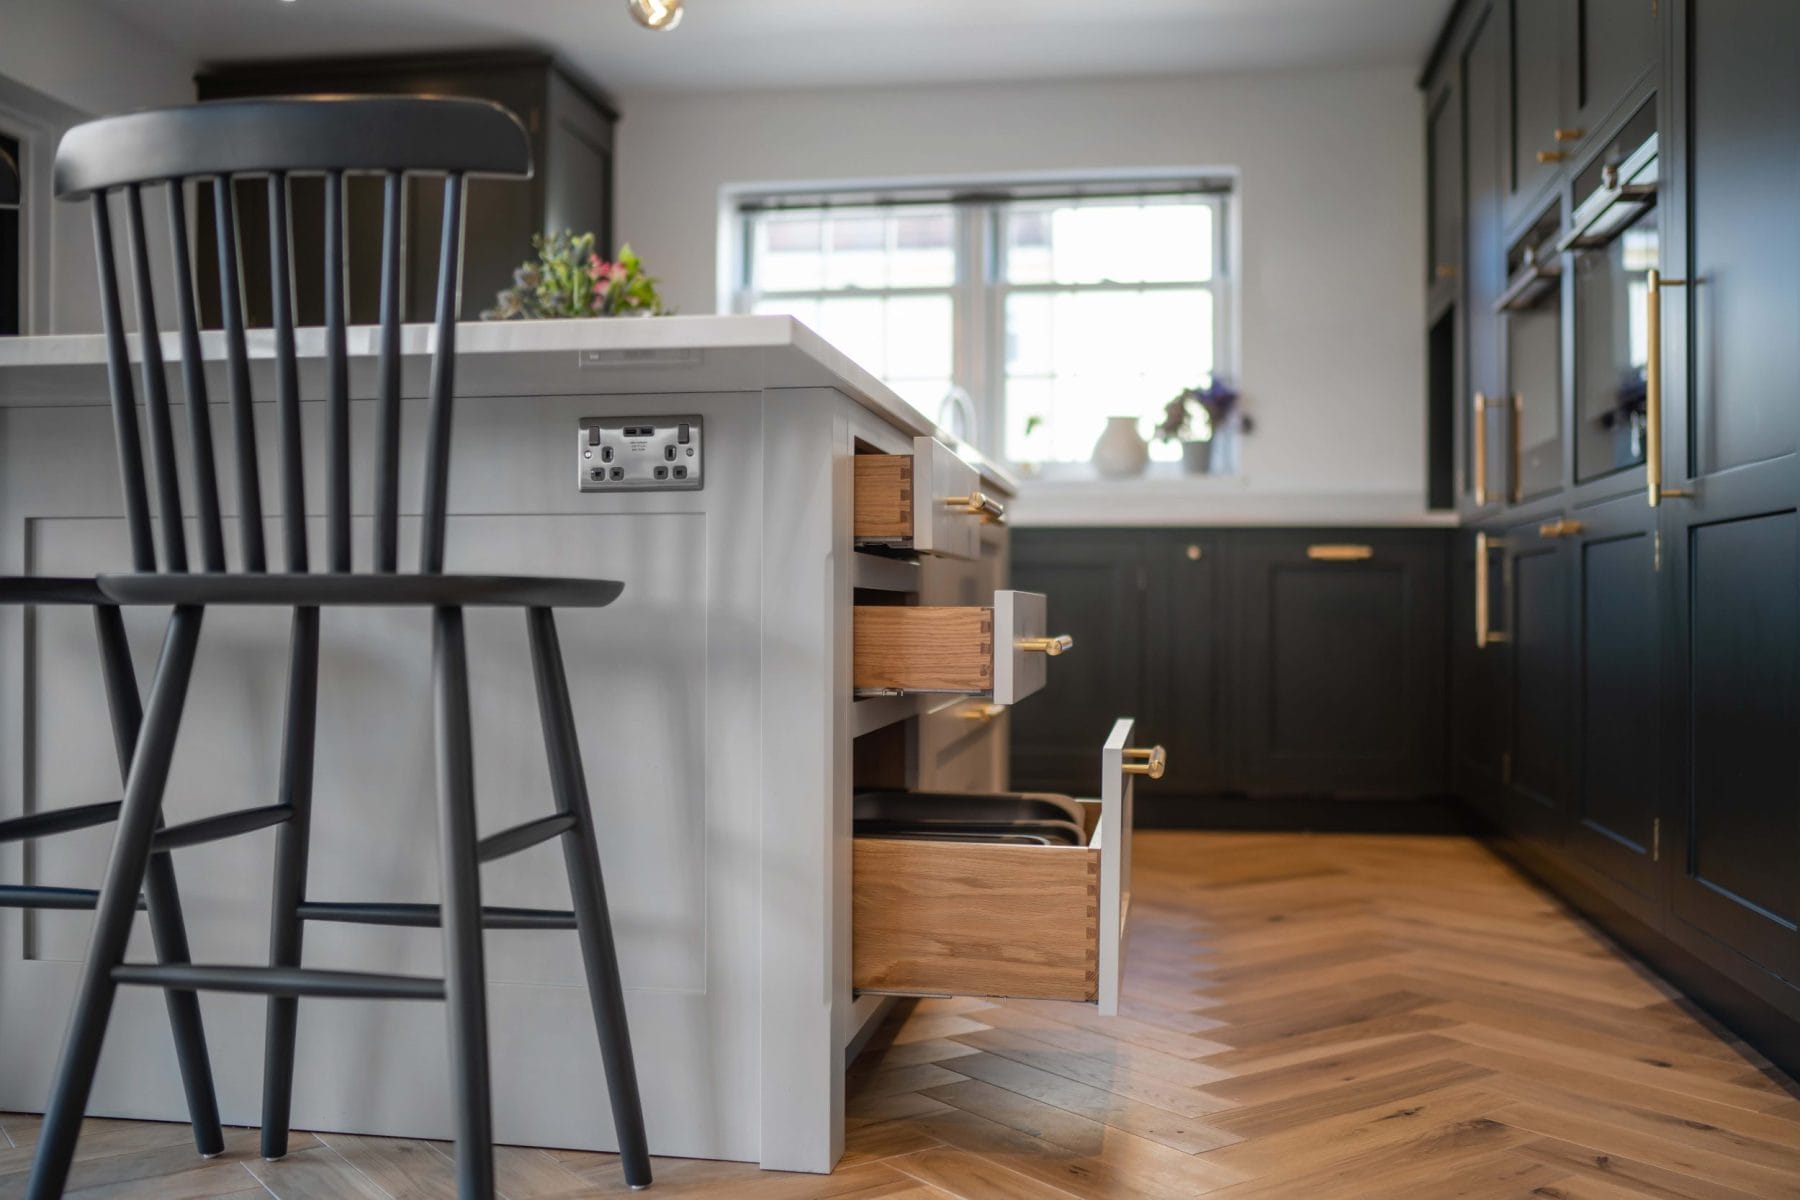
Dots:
(334, 590)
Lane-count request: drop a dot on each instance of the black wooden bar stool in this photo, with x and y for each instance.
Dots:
(160, 897)
(219, 143)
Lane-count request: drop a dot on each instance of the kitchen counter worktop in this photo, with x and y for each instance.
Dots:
(638, 356)
(1210, 501)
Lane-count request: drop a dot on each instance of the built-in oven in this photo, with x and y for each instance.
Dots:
(1531, 309)
(1612, 247)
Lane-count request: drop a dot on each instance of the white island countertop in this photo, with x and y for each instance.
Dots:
(643, 356)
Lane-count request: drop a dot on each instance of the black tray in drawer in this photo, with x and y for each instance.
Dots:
(1049, 833)
(982, 807)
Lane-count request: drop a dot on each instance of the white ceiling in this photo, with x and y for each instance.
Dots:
(809, 43)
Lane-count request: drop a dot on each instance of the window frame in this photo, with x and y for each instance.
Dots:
(979, 290)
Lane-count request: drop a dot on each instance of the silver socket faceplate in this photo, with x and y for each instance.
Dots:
(641, 454)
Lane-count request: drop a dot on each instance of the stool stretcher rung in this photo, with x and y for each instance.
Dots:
(212, 829)
(430, 916)
(14, 895)
(523, 837)
(61, 820)
(281, 981)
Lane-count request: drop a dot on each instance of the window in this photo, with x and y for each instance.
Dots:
(1053, 308)
(12, 194)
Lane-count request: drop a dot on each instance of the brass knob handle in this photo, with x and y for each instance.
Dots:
(1145, 760)
(1560, 528)
(1569, 135)
(1550, 156)
(981, 713)
(1062, 643)
(980, 504)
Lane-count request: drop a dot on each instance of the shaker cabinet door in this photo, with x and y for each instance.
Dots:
(1484, 261)
(1538, 632)
(1615, 43)
(1732, 406)
(1540, 30)
(1093, 580)
(1614, 821)
(1337, 677)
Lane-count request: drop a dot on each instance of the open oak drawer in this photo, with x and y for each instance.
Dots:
(973, 919)
(929, 501)
(998, 650)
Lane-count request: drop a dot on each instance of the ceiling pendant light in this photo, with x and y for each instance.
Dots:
(656, 14)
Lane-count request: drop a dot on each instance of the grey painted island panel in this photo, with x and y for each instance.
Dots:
(713, 701)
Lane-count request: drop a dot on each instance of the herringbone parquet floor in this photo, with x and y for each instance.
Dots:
(1309, 1018)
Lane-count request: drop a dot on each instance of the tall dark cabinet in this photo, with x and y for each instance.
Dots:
(1625, 596)
(571, 130)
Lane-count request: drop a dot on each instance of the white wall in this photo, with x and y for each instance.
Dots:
(60, 62)
(1332, 171)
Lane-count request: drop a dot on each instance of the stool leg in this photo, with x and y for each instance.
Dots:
(118, 903)
(465, 976)
(581, 855)
(160, 893)
(286, 929)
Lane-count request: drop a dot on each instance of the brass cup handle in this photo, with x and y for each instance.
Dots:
(1062, 643)
(1145, 760)
(980, 504)
(981, 713)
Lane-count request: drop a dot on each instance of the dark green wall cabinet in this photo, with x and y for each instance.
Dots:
(1625, 611)
(1270, 663)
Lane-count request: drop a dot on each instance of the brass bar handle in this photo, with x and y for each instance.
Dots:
(1062, 643)
(1653, 414)
(1550, 156)
(1481, 405)
(1560, 528)
(980, 504)
(1339, 552)
(1570, 135)
(1513, 488)
(1151, 761)
(1484, 635)
(981, 713)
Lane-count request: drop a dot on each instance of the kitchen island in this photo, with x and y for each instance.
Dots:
(717, 700)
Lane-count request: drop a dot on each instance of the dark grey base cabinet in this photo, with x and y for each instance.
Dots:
(1270, 663)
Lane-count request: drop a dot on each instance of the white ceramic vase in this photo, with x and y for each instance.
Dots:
(1121, 452)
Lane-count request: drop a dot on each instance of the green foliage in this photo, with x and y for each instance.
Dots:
(568, 279)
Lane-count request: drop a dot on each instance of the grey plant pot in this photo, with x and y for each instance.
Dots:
(1196, 457)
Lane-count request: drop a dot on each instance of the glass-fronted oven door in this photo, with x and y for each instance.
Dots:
(1532, 310)
(1613, 244)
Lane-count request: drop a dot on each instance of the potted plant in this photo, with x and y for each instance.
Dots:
(568, 279)
(1218, 400)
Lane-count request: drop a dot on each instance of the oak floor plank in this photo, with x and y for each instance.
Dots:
(1306, 1017)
